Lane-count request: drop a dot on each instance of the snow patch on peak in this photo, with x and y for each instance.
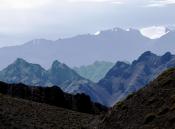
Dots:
(154, 32)
(129, 29)
(116, 29)
(97, 33)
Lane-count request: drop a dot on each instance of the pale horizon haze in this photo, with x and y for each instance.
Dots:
(24, 20)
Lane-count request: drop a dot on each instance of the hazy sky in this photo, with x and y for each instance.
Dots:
(23, 20)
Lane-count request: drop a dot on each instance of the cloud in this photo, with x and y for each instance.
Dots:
(23, 20)
(99, 1)
(160, 3)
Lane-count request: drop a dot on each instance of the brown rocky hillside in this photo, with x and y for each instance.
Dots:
(17, 113)
(152, 107)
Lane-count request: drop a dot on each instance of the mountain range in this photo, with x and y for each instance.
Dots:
(152, 107)
(33, 74)
(121, 80)
(95, 71)
(107, 45)
(124, 79)
(21, 71)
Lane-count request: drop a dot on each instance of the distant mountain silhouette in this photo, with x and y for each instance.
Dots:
(24, 72)
(95, 71)
(32, 74)
(58, 75)
(120, 81)
(108, 45)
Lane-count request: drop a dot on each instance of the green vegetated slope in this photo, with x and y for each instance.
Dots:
(152, 107)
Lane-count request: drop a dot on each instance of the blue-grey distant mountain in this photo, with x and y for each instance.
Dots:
(109, 45)
(59, 74)
(32, 74)
(165, 43)
(124, 79)
(120, 81)
(95, 71)
(24, 72)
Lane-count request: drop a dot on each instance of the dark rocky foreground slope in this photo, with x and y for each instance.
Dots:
(17, 113)
(52, 96)
(152, 107)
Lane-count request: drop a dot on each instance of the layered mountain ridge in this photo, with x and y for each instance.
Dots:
(152, 107)
(124, 78)
(33, 74)
(95, 71)
(58, 75)
(107, 45)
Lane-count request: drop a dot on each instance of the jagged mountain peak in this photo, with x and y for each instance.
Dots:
(118, 30)
(123, 78)
(121, 64)
(116, 70)
(61, 69)
(167, 56)
(39, 42)
(56, 62)
(133, 31)
(56, 65)
(147, 56)
(34, 74)
(147, 53)
(20, 61)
